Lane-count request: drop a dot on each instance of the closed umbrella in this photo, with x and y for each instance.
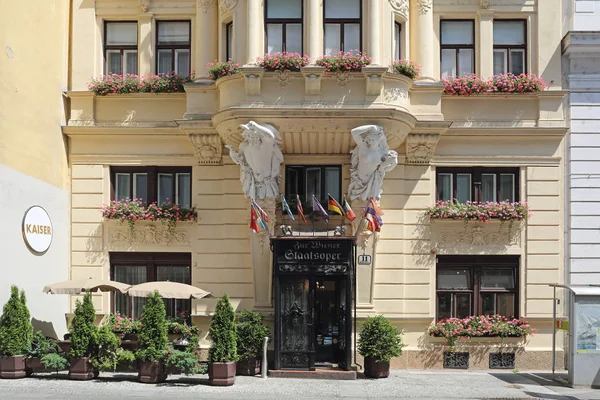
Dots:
(168, 290)
(78, 286)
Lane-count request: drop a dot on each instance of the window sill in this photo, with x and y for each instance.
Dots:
(487, 340)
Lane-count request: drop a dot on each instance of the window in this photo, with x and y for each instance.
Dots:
(173, 47)
(153, 184)
(510, 49)
(120, 48)
(342, 26)
(477, 184)
(397, 41)
(457, 48)
(283, 26)
(229, 41)
(136, 268)
(310, 180)
(477, 285)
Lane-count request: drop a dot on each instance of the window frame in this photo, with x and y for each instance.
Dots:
(398, 44)
(121, 48)
(342, 22)
(152, 180)
(174, 47)
(509, 47)
(151, 260)
(457, 47)
(229, 41)
(283, 22)
(307, 205)
(476, 181)
(476, 264)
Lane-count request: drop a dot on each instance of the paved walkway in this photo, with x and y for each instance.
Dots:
(400, 385)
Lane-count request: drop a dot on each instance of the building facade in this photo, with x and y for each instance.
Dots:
(33, 154)
(186, 147)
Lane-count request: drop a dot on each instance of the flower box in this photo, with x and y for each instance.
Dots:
(283, 62)
(480, 212)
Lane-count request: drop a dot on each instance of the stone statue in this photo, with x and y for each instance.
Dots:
(371, 159)
(259, 158)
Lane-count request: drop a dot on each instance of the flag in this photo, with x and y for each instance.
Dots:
(260, 211)
(260, 216)
(334, 206)
(254, 220)
(376, 207)
(318, 207)
(348, 211)
(300, 209)
(373, 221)
(286, 207)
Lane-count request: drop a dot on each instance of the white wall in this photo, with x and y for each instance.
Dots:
(18, 265)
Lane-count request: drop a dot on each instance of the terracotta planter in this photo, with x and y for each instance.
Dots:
(248, 367)
(221, 374)
(12, 367)
(81, 369)
(152, 371)
(374, 369)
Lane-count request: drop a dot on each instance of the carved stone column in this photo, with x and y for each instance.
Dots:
(146, 45)
(486, 43)
(375, 31)
(262, 258)
(206, 27)
(315, 30)
(366, 244)
(255, 31)
(421, 27)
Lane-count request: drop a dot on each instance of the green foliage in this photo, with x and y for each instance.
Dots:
(125, 358)
(83, 331)
(55, 361)
(153, 336)
(106, 347)
(250, 333)
(41, 345)
(223, 333)
(15, 326)
(379, 339)
(184, 361)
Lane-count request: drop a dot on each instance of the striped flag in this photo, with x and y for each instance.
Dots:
(300, 209)
(254, 220)
(348, 211)
(334, 206)
(318, 207)
(260, 211)
(373, 221)
(286, 208)
(376, 207)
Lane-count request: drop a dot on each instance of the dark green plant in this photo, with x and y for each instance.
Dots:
(153, 336)
(250, 333)
(41, 345)
(55, 362)
(223, 333)
(83, 331)
(184, 361)
(379, 339)
(16, 330)
(125, 358)
(105, 356)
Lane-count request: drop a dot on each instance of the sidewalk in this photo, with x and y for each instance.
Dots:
(400, 385)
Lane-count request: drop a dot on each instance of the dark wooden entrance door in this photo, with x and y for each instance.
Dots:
(296, 322)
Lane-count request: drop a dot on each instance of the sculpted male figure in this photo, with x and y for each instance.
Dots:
(371, 160)
(259, 158)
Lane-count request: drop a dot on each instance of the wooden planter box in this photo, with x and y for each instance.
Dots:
(12, 367)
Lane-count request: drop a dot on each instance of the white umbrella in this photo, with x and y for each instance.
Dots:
(78, 286)
(168, 290)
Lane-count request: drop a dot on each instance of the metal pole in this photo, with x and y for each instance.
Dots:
(554, 334)
(263, 366)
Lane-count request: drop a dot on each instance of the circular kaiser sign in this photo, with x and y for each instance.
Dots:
(37, 229)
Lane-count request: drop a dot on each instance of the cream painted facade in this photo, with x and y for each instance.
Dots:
(315, 112)
(33, 152)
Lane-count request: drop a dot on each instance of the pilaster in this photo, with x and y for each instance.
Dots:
(485, 61)
(206, 27)
(255, 31)
(315, 29)
(146, 44)
(262, 258)
(422, 40)
(374, 39)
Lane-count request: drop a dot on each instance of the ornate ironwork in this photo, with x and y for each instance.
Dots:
(294, 313)
(455, 360)
(502, 360)
(323, 269)
(294, 360)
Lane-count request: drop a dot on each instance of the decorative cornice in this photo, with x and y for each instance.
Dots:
(400, 6)
(145, 5)
(425, 6)
(208, 148)
(206, 5)
(227, 5)
(420, 148)
(485, 3)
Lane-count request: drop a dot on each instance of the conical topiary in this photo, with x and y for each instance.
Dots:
(223, 333)
(153, 336)
(83, 330)
(16, 330)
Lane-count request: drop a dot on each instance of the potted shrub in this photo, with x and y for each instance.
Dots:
(40, 346)
(250, 333)
(223, 350)
(152, 341)
(15, 335)
(183, 362)
(83, 340)
(379, 341)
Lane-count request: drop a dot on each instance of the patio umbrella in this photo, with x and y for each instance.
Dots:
(78, 286)
(168, 290)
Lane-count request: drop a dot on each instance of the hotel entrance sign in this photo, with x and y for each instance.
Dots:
(37, 230)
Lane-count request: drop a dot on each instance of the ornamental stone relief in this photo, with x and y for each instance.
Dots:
(227, 5)
(477, 235)
(401, 6)
(283, 77)
(208, 148)
(206, 5)
(148, 235)
(425, 6)
(421, 147)
(485, 3)
(145, 5)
